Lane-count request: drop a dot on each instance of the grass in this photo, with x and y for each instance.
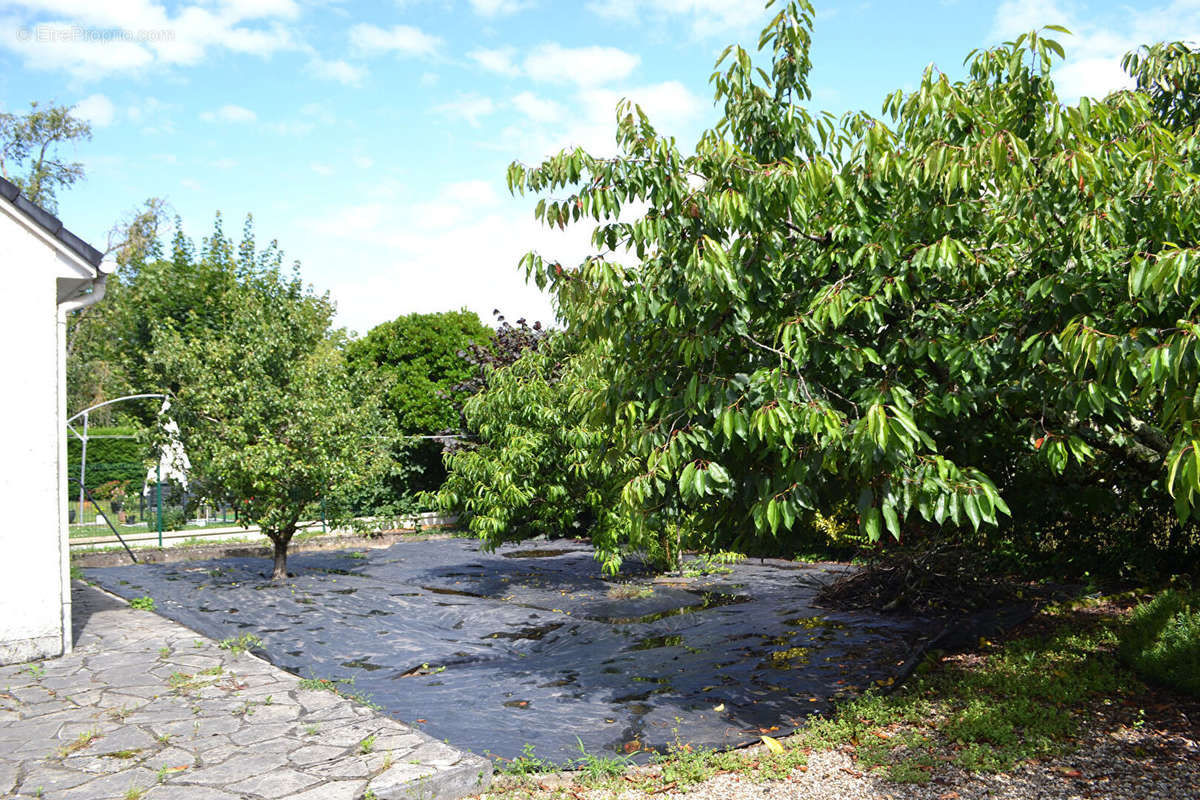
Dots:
(338, 687)
(985, 711)
(240, 644)
(185, 683)
(142, 603)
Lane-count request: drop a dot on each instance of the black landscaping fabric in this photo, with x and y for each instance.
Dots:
(523, 646)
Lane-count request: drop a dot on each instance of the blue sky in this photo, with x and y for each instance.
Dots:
(371, 139)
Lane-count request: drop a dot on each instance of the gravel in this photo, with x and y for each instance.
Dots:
(1123, 763)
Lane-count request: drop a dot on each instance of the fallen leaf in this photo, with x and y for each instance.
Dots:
(772, 744)
(719, 707)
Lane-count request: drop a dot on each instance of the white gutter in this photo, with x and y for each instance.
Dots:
(99, 285)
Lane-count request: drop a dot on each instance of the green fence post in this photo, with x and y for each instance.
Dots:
(323, 515)
(158, 475)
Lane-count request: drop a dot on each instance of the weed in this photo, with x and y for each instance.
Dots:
(335, 686)
(367, 744)
(119, 714)
(629, 591)
(36, 670)
(164, 738)
(81, 741)
(240, 644)
(595, 769)
(356, 554)
(183, 683)
(142, 603)
(198, 643)
(311, 730)
(711, 564)
(527, 763)
(134, 793)
(124, 755)
(164, 651)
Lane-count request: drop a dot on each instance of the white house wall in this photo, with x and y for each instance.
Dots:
(34, 587)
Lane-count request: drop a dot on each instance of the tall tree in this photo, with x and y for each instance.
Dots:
(896, 312)
(269, 415)
(415, 362)
(29, 145)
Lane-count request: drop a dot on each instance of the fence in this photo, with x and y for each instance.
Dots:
(138, 506)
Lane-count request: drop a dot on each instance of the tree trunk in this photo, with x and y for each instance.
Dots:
(280, 539)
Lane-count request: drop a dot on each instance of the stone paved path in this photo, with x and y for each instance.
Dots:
(145, 708)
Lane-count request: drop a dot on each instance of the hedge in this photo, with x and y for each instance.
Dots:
(109, 459)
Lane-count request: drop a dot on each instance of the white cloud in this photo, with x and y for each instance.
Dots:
(93, 40)
(496, 8)
(403, 40)
(229, 113)
(224, 163)
(585, 66)
(362, 162)
(291, 128)
(96, 109)
(1015, 17)
(323, 170)
(429, 79)
(708, 17)
(500, 61)
(589, 120)
(317, 111)
(1094, 51)
(337, 70)
(470, 107)
(537, 108)
(469, 236)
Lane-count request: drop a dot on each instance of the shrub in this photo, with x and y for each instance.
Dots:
(1162, 640)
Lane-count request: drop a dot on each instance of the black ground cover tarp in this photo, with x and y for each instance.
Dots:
(495, 651)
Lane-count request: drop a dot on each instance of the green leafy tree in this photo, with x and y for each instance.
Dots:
(530, 464)
(893, 312)
(417, 364)
(100, 364)
(29, 151)
(268, 412)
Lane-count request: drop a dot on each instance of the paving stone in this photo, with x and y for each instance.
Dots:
(115, 785)
(170, 757)
(274, 784)
(252, 732)
(8, 777)
(230, 743)
(315, 754)
(232, 770)
(334, 790)
(169, 791)
(51, 779)
(356, 765)
(126, 737)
